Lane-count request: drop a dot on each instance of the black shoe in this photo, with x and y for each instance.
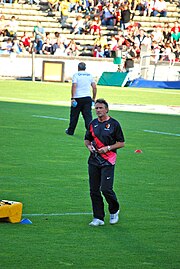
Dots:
(67, 132)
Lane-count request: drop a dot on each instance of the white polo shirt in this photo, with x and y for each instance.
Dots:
(83, 81)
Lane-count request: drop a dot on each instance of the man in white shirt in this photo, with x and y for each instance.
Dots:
(12, 27)
(160, 8)
(141, 39)
(81, 101)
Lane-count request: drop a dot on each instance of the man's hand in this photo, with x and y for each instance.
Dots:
(103, 150)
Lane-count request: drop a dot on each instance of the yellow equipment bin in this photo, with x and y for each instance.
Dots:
(10, 211)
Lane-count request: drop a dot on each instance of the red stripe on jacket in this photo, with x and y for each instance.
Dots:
(109, 156)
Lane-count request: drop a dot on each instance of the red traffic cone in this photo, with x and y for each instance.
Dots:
(138, 151)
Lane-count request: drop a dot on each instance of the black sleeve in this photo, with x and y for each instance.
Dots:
(88, 135)
(119, 133)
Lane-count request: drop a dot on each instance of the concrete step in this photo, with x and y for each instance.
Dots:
(19, 6)
(45, 24)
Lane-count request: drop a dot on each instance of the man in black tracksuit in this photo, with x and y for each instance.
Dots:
(103, 138)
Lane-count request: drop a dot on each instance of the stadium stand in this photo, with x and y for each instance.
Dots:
(27, 15)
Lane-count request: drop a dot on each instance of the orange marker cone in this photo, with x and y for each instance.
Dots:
(138, 151)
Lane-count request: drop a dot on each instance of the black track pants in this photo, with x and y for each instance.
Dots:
(101, 181)
(83, 106)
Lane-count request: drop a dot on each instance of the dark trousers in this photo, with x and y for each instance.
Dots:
(101, 181)
(83, 106)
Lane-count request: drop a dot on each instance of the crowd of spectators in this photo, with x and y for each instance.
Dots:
(162, 41)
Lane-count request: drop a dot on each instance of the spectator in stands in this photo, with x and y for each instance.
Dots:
(16, 46)
(26, 40)
(175, 36)
(6, 46)
(141, 39)
(166, 32)
(23, 49)
(95, 27)
(141, 6)
(117, 15)
(120, 38)
(160, 42)
(100, 41)
(82, 8)
(3, 26)
(150, 6)
(59, 44)
(133, 28)
(90, 5)
(176, 24)
(107, 51)
(56, 49)
(155, 50)
(113, 43)
(87, 24)
(39, 35)
(12, 27)
(176, 51)
(49, 36)
(158, 34)
(64, 11)
(108, 15)
(46, 47)
(130, 57)
(72, 48)
(53, 5)
(72, 5)
(160, 8)
(77, 25)
(129, 37)
(168, 54)
(61, 39)
(126, 16)
(55, 45)
(132, 4)
(97, 9)
(60, 50)
(98, 52)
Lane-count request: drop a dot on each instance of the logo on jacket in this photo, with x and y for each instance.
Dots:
(107, 127)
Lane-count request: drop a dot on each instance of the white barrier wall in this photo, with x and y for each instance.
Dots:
(22, 67)
(19, 67)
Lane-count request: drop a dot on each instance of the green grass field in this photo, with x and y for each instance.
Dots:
(47, 171)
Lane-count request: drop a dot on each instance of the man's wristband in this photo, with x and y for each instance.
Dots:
(109, 148)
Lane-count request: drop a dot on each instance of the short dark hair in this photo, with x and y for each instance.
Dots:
(81, 66)
(102, 101)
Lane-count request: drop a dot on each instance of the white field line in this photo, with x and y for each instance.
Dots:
(163, 133)
(56, 214)
(48, 117)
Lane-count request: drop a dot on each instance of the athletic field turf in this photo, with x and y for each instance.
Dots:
(47, 171)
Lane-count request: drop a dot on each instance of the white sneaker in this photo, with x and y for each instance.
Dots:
(96, 222)
(114, 218)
